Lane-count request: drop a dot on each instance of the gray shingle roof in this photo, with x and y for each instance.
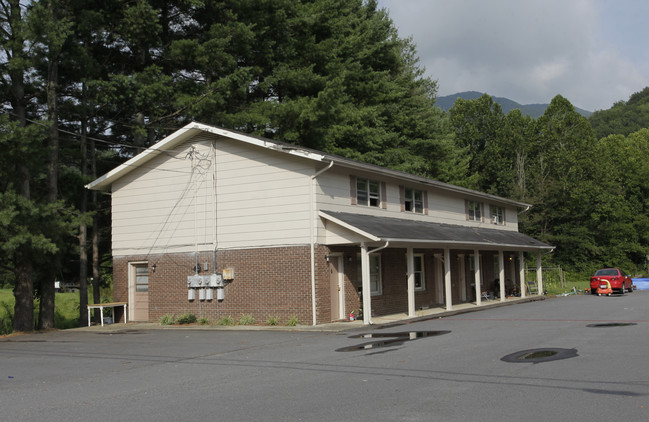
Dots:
(420, 232)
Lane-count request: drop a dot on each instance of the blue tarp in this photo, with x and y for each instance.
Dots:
(641, 283)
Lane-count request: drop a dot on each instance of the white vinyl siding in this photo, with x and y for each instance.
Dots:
(262, 196)
(333, 194)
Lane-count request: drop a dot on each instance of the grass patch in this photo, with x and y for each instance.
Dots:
(553, 285)
(272, 321)
(66, 310)
(203, 321)
(6, 318)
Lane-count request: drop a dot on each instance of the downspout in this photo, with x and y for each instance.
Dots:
(314, 228)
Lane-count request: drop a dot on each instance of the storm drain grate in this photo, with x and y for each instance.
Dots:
(392, 339)
(612, 324)
(540, 355)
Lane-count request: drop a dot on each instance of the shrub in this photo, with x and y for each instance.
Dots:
(226, 321)
(167, 320)
(186, 318)
(246, 319)
(203, 321)
(292, 321)
(272, 321)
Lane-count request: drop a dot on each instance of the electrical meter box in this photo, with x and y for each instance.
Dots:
(215, 280)
(194, 281)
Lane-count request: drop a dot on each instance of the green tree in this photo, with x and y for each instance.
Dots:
(562, 183)
(478, 125)
(50, 28)
(18, 138)
(624, 118)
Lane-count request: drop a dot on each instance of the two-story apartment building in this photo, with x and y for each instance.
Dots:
(300, 233)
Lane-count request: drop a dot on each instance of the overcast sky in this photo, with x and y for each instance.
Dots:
(593, 52)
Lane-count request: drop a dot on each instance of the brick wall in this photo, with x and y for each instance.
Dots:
(268, 282)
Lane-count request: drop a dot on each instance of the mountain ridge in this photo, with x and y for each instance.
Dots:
(533, 110)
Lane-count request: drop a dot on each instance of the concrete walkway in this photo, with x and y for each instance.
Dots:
(382, 321)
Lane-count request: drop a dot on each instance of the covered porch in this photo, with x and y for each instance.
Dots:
(410, 266)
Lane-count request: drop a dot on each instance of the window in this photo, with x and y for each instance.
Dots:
(376, 287)
(414, 200)
(420, 279)
(497, 215)
(142, 278)
(368, 192)
(474, 211)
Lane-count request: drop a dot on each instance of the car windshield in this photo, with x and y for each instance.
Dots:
(606, 272)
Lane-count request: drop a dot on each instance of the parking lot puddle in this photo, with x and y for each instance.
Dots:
(612, 324)
(391, 339)
(540, 355)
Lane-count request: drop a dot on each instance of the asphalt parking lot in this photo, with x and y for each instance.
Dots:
(577, 358)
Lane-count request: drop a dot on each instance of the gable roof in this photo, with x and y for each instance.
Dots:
(192, 129)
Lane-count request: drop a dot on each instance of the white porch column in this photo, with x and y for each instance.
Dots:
(365, 276)
(477, 277)
(539, 274)
(447, 279)
(501, 275)
(521, 269)
(462, 277)
(410, 257)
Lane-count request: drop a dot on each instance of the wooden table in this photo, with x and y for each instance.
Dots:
(101, 307)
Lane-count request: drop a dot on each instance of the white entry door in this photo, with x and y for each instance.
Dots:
(336, 287)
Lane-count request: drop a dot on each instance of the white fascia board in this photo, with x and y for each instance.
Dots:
(104, 182)
(468, 244)
(349, 227)
(261, 142)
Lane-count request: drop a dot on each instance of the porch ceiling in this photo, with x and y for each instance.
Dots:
(400, 232)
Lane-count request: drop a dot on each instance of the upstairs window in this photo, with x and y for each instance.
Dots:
(413, 201)
(474, 211)
(497, 215)
(368, 192)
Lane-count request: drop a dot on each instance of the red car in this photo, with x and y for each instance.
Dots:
(620, 281)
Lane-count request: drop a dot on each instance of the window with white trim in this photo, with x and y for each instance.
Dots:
(420, 277)
(497, 215)
(376, 285)
(368, 192)
(474, 210)
(414, 200)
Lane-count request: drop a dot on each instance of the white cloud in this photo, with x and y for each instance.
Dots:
(528, 51)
